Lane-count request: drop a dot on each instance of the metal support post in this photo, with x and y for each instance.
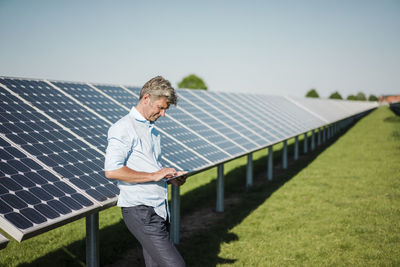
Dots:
(92, 240)
(329, 131)
(175, 214)
(220, 189)
(305, 144)
(284, 155)
(249, 171)
(319, 137)
(324, 135)
(312, 140)
(270, 164)
(296, 147)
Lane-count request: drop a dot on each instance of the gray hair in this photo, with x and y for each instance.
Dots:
(159, 87)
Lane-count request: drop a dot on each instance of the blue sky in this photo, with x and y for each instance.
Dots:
(270, 47)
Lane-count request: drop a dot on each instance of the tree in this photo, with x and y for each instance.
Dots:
(351, 97)
(312, 93)
(192, 82)
(372, 98)
(361, 96)
(335, 95)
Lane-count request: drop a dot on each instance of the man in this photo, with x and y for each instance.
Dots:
(133, 158)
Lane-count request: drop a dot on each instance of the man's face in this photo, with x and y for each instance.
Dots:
(155, 108)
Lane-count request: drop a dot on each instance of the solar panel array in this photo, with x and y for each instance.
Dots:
(395, 107)
(53, 136)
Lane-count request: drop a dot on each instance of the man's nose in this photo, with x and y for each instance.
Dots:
(162, 113)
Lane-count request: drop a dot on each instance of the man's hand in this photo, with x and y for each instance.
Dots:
(163, 173)
(180, 180)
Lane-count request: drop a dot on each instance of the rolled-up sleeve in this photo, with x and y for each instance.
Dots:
(119, 145)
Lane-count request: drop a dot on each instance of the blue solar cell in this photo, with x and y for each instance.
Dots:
(47, 211)
(13, 201)
(71, 203)
(22, 180)
(28, 197)
(59, 207)
(41, 193)
(9, 184)
(96, 194)
(35, 178)
(52, 190)
(64, 187)
(18, 220)
(4, 208)
(8, 169)
(3, 190)
(33, 215)
(83, 200)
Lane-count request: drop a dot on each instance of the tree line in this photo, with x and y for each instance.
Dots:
(194, 82)
(336, 95)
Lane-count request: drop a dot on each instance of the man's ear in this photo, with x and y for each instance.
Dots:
(146, 98)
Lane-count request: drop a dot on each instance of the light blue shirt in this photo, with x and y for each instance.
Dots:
(134, 142)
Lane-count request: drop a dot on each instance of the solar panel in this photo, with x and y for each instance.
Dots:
(201, 122)
(31, 196)
(61, 108)
(199, 127)
(234, 119)
(120, 94)
(191, 140)
(297, 119)
(219, 121)
(267, 115)
(53, 136)
(323, 108)
(94, 100)
(54, 145)
(183, 158)
(242, 112)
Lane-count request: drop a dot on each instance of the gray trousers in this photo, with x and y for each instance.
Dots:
(152, 232)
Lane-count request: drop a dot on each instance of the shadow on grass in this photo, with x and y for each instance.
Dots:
(202, 247)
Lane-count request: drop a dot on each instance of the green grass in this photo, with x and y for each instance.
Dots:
(340, 209)
(343, 209)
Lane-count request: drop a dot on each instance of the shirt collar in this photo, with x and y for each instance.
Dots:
(139, 117)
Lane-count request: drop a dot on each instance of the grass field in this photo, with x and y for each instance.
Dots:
(339, 206)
